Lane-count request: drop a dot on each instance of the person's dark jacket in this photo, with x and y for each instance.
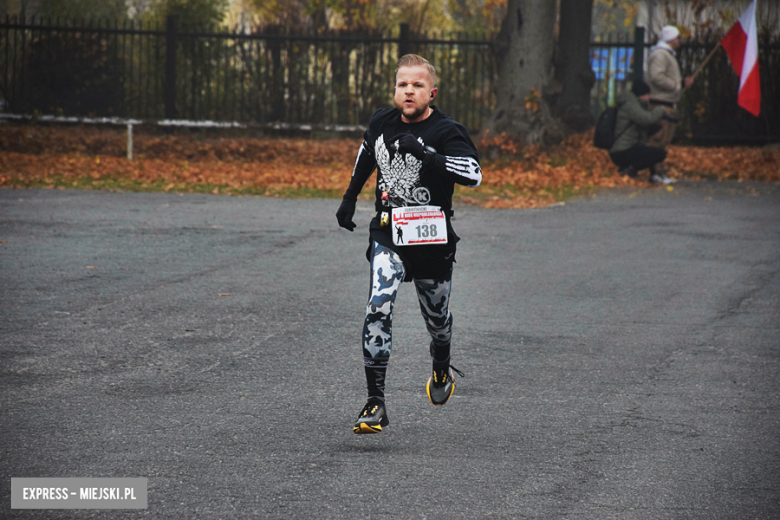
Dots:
(634, 122)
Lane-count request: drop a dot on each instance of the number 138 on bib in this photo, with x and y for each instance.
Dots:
(419, 225)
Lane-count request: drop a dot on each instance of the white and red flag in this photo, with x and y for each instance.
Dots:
(741, 44)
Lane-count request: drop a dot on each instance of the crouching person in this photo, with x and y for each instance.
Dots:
(635, 124)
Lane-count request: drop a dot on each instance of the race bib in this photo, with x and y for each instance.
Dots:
(419, 225)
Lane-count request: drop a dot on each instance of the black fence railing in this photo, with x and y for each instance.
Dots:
(168, 72)
(171, 72)
(708, 110)
(612, 59)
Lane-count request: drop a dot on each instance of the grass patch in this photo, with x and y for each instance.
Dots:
(118, 183)
(483, 195)
(508, 193)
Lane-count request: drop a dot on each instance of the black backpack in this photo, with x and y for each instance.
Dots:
(604, 136)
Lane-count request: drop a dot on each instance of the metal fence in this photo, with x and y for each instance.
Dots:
(708, 110)
(612, 62)
(169, 72)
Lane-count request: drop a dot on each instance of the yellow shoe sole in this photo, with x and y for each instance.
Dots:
(365, 428)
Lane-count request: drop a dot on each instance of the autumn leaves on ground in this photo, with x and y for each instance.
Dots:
(221, 163)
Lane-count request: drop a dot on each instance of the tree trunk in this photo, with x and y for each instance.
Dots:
(524, 49)
(574, 77)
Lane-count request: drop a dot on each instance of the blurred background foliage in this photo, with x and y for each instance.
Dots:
(73, 73)
(695, 18)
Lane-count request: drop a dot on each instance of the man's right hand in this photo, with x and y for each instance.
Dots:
(345, 213)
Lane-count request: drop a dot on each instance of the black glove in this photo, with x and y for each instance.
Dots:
(407, 143)
(345, 213)
(671, 117)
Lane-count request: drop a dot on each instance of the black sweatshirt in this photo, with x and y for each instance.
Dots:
(410, 183)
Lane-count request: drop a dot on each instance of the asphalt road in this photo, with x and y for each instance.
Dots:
(621, 354)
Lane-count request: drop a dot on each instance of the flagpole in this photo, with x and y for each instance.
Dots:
(702, 64)
(706, 60)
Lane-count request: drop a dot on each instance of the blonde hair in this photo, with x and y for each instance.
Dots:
(413, 60)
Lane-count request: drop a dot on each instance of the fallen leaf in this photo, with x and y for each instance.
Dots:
(532, 177)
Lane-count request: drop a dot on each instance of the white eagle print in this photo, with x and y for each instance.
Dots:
(400, 175)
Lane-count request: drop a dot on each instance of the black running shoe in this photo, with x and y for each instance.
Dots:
(441, 385)
(372, 417)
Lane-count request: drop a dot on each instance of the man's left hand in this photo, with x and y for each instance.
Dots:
(407, 143)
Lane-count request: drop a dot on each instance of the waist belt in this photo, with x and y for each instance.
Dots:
(662, 102)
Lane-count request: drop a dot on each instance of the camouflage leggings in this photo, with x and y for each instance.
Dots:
(387, 273)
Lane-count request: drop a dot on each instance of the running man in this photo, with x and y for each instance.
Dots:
(419, 154)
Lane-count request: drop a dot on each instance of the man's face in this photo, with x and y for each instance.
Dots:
(674, 44)
(413, 93)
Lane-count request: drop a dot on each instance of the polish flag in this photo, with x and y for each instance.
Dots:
(741, 44)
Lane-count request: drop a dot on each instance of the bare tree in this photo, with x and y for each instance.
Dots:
(574, 76)
(542, 92)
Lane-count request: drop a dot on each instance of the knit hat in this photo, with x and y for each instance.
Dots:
(669, 33)
(640, 88)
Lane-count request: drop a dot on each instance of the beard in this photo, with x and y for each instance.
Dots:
(412, 113)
